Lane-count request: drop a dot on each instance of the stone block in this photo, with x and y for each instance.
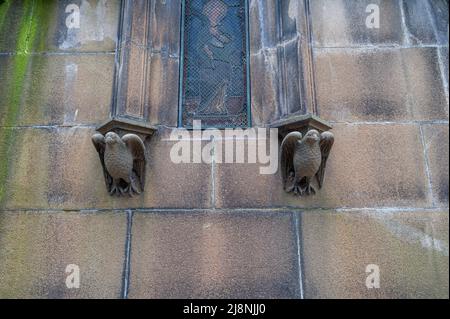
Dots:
(58, 89)
(36, 248)
(427, 93)
(213, 255)
(379, 85)
(409, 248)
(342, 23)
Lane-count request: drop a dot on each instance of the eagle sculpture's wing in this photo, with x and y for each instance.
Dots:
(287, 158)
(137, 149)
(326, 143)
(100, 145)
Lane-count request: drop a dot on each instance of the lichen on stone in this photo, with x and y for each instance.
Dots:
(28, 26)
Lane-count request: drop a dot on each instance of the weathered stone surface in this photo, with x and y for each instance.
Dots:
(13, 21)
(46, 21)
(278, 83)
(213, 255)
(423, 75)
(419, 22)
(51, 163)
(342, 23)
(265, 98)
(444, 57)
(162, 91)
(53, 168)
(165, 27)
(348, 88)
(436, 145)
(99, 22)
(59, 89)
(185, 185)
(263, 25)
(439, 13)
(369, 166)
(69, 174)
(36, 247)
(379, 85)
(410, 249)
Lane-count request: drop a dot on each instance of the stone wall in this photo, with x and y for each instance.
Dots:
(225, 230)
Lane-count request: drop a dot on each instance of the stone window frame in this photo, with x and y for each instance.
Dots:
(279, 39)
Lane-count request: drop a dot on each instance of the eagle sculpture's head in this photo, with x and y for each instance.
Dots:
(312, 137)
(112, 138)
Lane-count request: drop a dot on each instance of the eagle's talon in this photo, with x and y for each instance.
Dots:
(113, 191)
(310, 190)
(134, 189)
(130, 191)
(298, 191)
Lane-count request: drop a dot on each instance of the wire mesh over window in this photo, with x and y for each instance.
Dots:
(214, 86)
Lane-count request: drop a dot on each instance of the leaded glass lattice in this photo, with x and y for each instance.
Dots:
(214, 86)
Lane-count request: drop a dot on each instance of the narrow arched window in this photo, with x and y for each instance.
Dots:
(214, 84)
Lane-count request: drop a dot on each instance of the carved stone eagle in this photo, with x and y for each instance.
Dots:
(123, 161)
(302, 158)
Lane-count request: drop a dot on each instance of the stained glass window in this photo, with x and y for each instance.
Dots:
(214, 84)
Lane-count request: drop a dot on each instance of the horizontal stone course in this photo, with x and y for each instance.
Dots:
(59, 168)
(221, 254)
(369, 166)
(70, 174)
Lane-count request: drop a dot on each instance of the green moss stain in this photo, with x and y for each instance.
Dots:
(33, 11)
(4, 7)
(45, 13)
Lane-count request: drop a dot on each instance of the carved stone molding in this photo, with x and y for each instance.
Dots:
(132, 72)
(306, 145)
(301, 123)
(122, 126)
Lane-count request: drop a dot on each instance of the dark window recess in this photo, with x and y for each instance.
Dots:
(214, 84)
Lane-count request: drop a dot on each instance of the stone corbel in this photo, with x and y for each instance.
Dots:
(305, 147)
(121, 140)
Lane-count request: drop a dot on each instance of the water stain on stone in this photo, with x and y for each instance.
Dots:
(443, 190)
(378, 108)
